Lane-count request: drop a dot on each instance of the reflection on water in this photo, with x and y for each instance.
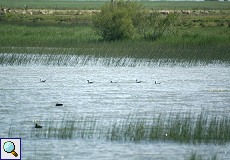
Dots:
(24, 99)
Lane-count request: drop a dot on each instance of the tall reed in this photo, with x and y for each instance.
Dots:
(181, 128)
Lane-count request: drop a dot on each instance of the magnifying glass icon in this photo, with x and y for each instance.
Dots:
(9, 147)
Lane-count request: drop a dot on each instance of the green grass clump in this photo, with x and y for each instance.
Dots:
(66, 129)
(195, 156)
(181, 128)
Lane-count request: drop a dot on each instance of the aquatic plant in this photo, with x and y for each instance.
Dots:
(195, 156)
(181, 128)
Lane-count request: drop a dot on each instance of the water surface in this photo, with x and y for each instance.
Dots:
(24, 99)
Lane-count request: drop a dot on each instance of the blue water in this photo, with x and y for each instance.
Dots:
(24, 99)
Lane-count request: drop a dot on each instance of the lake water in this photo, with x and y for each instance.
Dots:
(24, 99)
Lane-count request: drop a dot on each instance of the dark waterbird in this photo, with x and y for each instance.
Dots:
(59, 104)
(42, 80)
(157, 82)
(37, 126)
(89, 81)
(138, 81)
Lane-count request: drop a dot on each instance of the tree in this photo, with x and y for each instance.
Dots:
(118, 20)
(123, 19)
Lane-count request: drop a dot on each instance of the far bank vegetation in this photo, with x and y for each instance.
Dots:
(124, 19)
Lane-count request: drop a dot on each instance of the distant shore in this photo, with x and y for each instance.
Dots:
(198, 35)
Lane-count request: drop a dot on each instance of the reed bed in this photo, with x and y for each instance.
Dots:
(94, 60)
(206, 54)
(199, 45)
(181, 128)
(184, 129)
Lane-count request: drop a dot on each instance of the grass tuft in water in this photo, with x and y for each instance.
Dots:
(181, 128)
(195, 156)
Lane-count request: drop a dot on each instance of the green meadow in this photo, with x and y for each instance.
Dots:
(201, 43)
(96, 4)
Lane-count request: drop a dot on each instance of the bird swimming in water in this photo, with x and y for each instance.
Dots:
(37, 126)
(138, 81)
(42, 80)
(59, 104)
(89, 81)
(112, 82)
(157, 82)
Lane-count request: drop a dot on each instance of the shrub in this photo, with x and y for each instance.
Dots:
(157, 25)
(123, 19)
(118, 20)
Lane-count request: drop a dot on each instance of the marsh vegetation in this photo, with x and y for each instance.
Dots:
(187, 128)
(187, 37)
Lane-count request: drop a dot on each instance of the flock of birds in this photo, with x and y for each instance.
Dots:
(116, 82)
(44, 80)
(90, 82)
